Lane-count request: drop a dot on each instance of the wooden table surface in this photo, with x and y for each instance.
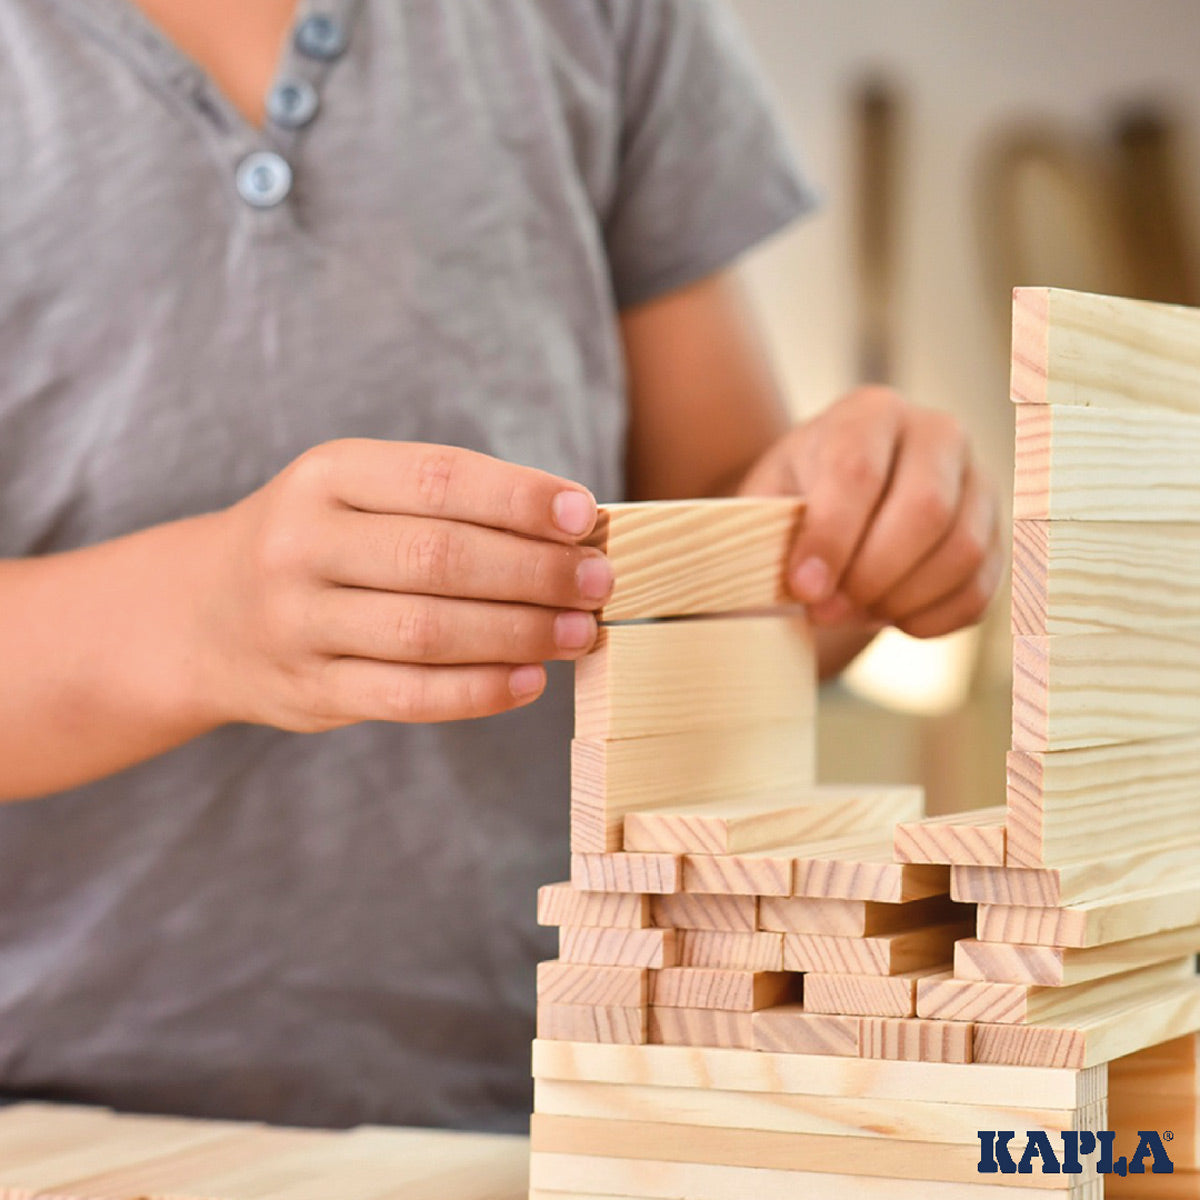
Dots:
(54, 1151)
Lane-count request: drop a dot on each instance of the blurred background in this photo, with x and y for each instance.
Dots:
(964, 147)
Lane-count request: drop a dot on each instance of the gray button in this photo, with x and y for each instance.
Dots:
(264, 179)
(292, 103)
(321, 36)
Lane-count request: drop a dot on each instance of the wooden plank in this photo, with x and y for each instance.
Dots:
(653, 874)
(733, 914)
(617, 947)
(577, 983)
(1087, 465)
(726, 988)
(765, 764)
(1094, 878)
(902, 1120)
(737, 826)
(740, 951)
(1093, 924)
(1089, 576)
(675, 558)
(867, 995)
(1054, 966)
(864, 869)
(766, 873)
(563, 904)
(1105, 1031)
(696, 673)
(1104, 351)
(910, 1039)
(789, 1029)
(883, 954)
(1108, 790)
(622, 1024)
(974, 838)
(1097, 689)
(818, 1075)
(854, 918)
(701, 1027)
(949, 999)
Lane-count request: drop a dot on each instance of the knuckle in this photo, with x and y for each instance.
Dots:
(480, 696)
(283, 548)
(429, 556)
(312, 471)
(931, 506)
(971, 551)
(406, 699)
(417, 631)
(853, 467)
(434, 475)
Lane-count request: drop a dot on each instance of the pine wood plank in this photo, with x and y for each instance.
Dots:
(681, 557)
(577, 983)
(1054, 966)
(733, 914)
(696, 673)
(724, 988)
(653, 874)
(788, 1028)
(739, 951)
(1090, 576)
(617, 947)
(975, 838)
(911, 1039)
(864, 869)
(867, 995)
(759, 764)
(766, 873)
(563, 904)
(854, 918)
(735, 827)
(622, 1024)
(1093, 465)
(882, 954)
(701, 1027)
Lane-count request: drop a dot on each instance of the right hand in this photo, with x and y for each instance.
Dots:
(394, 581)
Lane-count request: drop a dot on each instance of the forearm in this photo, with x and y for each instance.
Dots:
(101, 661)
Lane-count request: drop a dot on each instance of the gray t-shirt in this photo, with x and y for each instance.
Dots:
(331, 928)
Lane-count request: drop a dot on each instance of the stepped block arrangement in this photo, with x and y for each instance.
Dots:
(769, 987)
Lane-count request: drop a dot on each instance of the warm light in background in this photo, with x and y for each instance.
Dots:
(927, 677)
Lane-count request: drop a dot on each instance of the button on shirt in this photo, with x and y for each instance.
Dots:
(335, 928)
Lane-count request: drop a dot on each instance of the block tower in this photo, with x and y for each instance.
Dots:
(771, 988)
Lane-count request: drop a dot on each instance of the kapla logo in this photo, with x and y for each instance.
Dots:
(995, 1157)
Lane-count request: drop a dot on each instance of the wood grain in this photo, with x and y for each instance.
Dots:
(562, 904)
(617, 947)
(653, 874)
(867, 995)
(765, 873)
(732, 914)
(789, 1029)
(910, 1039)
(701, 1027)
(722, 987)
(854, 918)
(864, 869)
(882, 954)
(624, 1025)
(578, 983)
(739, 951)
(972, 838)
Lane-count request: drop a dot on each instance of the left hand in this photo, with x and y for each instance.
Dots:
(901, 527)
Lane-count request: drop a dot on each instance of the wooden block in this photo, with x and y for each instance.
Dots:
(621, 1024)
(787, 1028)
(1086, 465)
(714, 987)
(766, 873)
(1105, 1031)
(698, 673)
(733, 914)
(618, 947)
(854, 918)
(883, 954)
(949, 999)
(910, 1039)
(576, 983)
(1171, 1067)
(1090, 576)
(1130, 797)
(735, 828)
(864, 869)
(1095, 878)
(563, 904)
(1095, 923)
(1054, 966)
(818, 1075)
(867, 995)
(675, 558)
(759, 764)
(741, 951)
(1104, 352)
(653, 874)
(974, 838)
(700, 1027)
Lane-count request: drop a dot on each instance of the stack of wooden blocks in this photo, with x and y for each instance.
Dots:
(768, 988)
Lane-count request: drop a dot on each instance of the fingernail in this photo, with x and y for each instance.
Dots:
(833, 611)
(527, 681)
(574, 512)
(810, 580)
(594, 578)
(574, 630)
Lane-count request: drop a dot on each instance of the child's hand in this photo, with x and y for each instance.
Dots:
(900, 526)
(393, 581)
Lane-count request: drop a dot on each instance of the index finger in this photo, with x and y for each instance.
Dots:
(456, 484)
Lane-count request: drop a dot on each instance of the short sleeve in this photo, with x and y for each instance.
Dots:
(704, 169)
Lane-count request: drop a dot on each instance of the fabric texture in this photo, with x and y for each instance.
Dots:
(335, 928)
